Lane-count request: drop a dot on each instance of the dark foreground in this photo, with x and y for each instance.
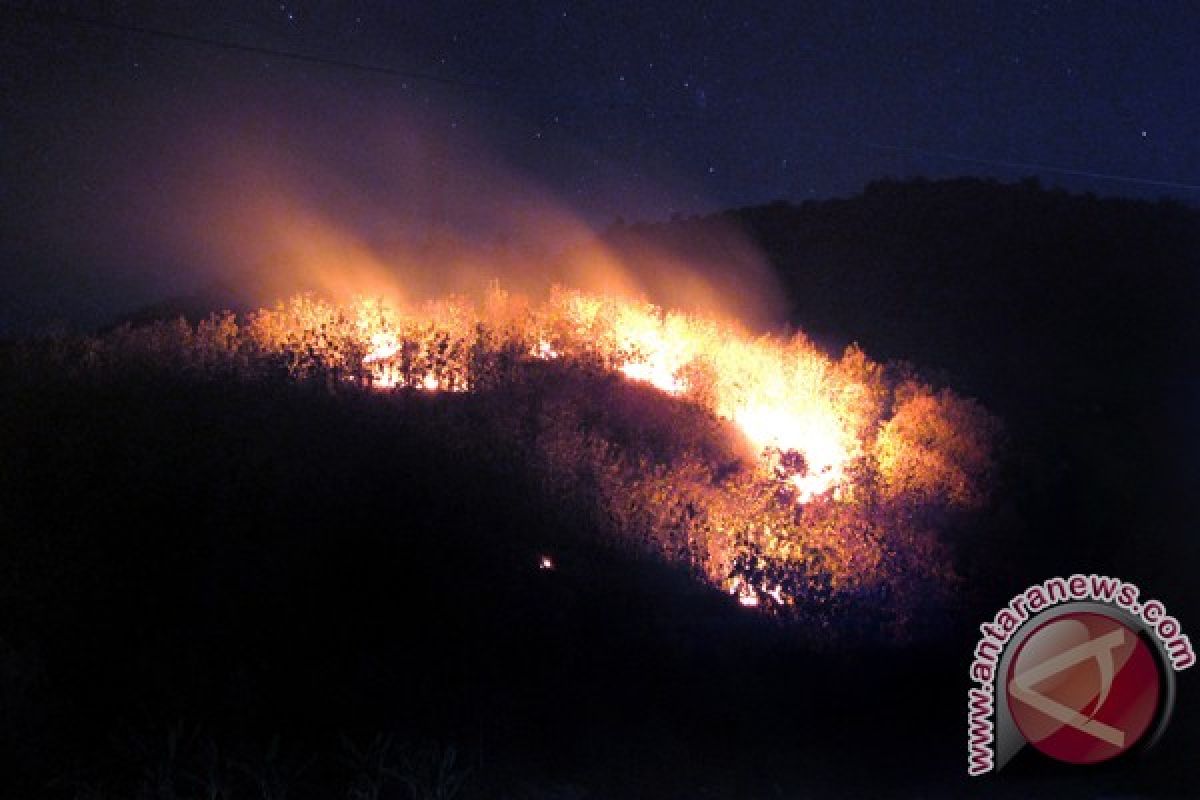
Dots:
(214, 589)
(218, 588)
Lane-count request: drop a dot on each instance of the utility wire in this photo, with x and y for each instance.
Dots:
(1035, 167)
(205, 41)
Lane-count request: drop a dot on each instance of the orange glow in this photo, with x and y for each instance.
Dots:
(783, 394)
(822, 463)
(781, 473)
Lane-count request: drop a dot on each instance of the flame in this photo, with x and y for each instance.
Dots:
(838, 461)
(803, 418)
(274, 221)
(782, 394)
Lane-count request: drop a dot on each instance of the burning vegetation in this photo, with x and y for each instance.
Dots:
(793, 481)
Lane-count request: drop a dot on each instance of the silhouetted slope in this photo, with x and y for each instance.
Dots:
(261, 559)
(1005, 286)
(265, 558)
(212, 299)
(1072, 317)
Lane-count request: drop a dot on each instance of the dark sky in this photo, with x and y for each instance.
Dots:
(116, 139)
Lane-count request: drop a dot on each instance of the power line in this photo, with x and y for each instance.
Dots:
(687, 113)
(357, 66)
(206, 41)
(1035, 167)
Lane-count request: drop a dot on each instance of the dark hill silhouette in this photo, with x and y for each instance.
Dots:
(944, 272)
(267, 558)
(213, 298)
(1071, 316)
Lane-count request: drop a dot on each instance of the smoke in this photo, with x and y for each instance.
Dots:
(414, 206)
(307, 186)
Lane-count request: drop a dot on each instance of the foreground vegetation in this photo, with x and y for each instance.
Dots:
(800, 484)
(218, 581)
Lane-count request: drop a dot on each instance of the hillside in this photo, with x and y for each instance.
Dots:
(231, 565)
(1070, 316)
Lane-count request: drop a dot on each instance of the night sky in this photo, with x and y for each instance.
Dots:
(111, 130)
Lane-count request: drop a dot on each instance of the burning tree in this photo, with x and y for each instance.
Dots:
(789, 479)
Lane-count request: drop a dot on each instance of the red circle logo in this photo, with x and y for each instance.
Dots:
(1083, 688)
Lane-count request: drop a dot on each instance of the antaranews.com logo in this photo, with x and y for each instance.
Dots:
(1080, 668)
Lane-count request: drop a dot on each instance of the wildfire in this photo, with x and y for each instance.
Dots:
(831, 489)
(782, 394)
